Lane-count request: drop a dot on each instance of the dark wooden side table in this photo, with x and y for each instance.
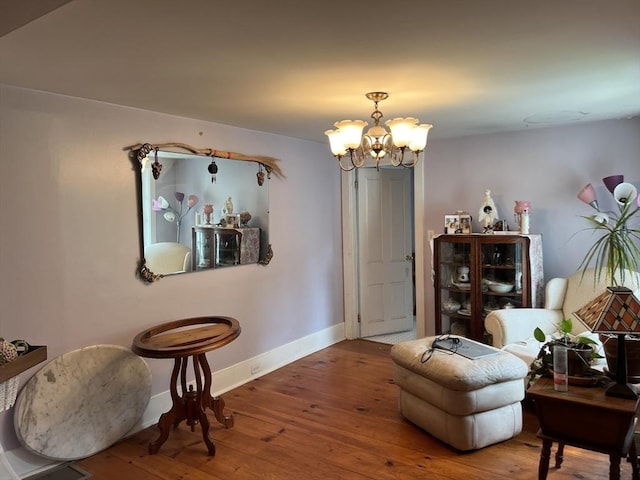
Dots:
(181, 339)
(584, 417)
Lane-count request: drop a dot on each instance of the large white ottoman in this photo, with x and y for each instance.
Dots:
(466, 403)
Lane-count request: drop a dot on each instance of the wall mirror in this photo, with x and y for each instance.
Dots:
(201, 209)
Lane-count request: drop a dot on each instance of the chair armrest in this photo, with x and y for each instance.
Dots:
(517, 324)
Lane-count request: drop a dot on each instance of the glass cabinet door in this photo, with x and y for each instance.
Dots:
(455, 279)
(227, 247)
(501, 275)
(202, 248)
(214, 247)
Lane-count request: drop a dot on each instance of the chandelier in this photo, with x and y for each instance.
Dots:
(406, 137)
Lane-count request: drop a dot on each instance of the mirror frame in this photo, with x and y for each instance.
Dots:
(137, 154)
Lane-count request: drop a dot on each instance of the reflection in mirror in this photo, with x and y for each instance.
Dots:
(200, 211)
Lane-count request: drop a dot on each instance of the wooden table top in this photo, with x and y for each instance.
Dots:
(189, 336)
(592, 395)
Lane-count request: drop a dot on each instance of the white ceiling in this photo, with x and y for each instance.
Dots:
(293, 67)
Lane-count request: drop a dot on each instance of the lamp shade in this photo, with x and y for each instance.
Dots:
(351, 132)
(625, 193)
(588, 195)
(336, 143)
(401, 130)
(615, 311)
(419, 138)
(612, 181)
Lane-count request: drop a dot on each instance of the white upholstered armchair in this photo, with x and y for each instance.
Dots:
(512, 329)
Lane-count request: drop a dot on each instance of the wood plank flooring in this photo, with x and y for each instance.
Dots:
(331, 415)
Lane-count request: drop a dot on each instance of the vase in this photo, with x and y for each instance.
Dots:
(579, 360)
(207, 211)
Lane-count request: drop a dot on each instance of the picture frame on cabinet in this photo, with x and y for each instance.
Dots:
(232, 220)
(457, 223)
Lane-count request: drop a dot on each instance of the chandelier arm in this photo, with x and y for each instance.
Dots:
(360, 157)
(415, 156)
(396, 156)
(343, 168)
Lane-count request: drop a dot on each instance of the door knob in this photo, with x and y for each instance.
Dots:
(409, 258)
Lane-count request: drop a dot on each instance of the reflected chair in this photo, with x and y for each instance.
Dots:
(168, 257)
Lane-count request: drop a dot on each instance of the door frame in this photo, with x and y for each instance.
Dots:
(350, 251)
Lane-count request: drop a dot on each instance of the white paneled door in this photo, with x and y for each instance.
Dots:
(385, 250)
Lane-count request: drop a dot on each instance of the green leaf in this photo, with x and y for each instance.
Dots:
(566, 325)
(539, 335)
(587, 340)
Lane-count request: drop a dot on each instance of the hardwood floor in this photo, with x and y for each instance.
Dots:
(331, 415)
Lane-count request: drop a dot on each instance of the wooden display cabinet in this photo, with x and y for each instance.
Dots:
(216, 247)
(467, 270)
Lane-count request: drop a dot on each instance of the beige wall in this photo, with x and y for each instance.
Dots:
(547, 166)
(69, 242)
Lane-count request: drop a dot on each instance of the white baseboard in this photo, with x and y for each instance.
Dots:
(25, 463)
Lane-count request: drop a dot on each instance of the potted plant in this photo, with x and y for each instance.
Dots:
(580, 352)
(615, 253)
(615, 250)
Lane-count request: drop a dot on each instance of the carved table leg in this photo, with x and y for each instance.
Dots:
(559, 455)
(173, 416)
(614, 467)
(545, 455)
(202, 399)
(218, 411)
(633, 459)
(192, 405)
(204, 423)
(216, 404)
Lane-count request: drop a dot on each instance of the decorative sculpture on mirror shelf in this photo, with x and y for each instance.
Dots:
(165, 249)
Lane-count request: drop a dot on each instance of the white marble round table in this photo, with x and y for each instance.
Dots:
(82, 402)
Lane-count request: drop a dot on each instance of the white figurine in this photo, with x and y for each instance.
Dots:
(488, 211)
(229, 205)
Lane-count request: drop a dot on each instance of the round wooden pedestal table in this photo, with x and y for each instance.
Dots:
(181, 339)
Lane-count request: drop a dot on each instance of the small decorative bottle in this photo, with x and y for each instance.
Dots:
(524, 222)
